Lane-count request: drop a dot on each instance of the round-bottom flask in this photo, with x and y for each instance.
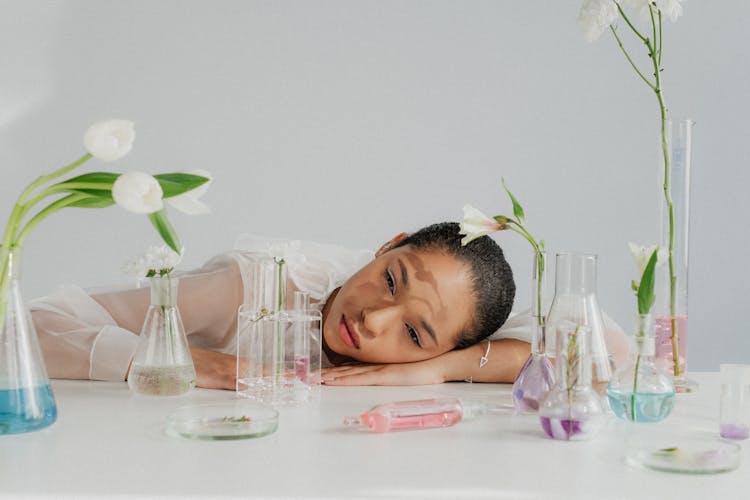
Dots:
(640, 391)
(572, 411)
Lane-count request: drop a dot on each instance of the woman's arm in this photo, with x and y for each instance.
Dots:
(504, 361)
(94, 335)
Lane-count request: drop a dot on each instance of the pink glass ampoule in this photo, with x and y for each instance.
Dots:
(419, 414)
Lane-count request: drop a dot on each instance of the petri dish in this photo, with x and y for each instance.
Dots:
(691, 456)
(223, 421)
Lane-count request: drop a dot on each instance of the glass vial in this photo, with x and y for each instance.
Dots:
(537, 375)
(572, 411)
(163, 365)
(734, 410)
(640, 391)
(575, 301)
(26, 400)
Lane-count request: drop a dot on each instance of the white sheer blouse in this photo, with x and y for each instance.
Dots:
(92, 334)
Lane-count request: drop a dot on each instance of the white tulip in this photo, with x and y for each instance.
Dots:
(109, 140)
(642, 254)
(476, 224)
(595, 17)
(189, 202)
(138, 192)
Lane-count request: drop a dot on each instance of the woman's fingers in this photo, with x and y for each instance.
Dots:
(419, 373)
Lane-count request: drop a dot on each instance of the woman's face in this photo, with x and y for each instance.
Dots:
(406, 305)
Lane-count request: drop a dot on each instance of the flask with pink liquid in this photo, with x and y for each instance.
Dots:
(418, 414)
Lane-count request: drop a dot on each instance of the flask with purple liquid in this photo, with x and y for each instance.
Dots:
(537, 376)
(572, 411)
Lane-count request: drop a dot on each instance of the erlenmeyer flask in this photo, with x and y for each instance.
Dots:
(26, 400)
(162, 365)
(575, 301)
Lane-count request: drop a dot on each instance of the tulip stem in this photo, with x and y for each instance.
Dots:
(46, 212)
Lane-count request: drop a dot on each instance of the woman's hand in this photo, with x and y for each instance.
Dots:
(418, 373)
(214, 370)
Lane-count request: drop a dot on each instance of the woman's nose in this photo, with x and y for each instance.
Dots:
(378, 320)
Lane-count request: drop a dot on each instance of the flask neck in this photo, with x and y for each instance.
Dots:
(164, 290)
(575, 273)
(10, 261)
(538, 317)
(644, 343)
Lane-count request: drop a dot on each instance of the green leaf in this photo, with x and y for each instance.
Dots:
(94, 202)
(165, 229)
(517, 210)
(646, 294)
(175, 184)
(106, 179)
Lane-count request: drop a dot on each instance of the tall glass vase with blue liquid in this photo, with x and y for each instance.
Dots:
(26, 400)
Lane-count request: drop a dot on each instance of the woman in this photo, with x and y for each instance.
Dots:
(415, 314)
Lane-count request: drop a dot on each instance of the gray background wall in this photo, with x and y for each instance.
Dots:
(349, 121)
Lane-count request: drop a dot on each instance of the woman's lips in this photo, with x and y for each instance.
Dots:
(347, 333)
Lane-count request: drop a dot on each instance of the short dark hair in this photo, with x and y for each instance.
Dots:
(491, 276)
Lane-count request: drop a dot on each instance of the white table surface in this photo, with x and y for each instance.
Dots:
(109, 442)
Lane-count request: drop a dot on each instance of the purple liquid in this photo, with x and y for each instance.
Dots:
(663, 334)
(533, 384)
(561, 428)
(734, 431)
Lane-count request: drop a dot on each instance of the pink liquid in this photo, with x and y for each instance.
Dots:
(380, 422)
(301, 368)
(663, 334)
(734, 431)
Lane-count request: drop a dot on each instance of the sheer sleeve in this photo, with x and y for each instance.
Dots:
(88, 334)
(519, 327)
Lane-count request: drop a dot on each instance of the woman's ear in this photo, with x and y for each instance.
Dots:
(394, 241)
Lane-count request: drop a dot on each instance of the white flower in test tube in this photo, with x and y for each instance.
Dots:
(138, 192)
(162, 258)
(109, 140)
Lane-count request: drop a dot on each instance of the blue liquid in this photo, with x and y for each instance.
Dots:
(649, 407)
(25, 410)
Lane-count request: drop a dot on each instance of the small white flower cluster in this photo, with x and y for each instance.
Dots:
(596, 16)
(157, 261)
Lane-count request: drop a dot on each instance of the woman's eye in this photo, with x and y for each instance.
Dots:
(390, 281)
(413, 335)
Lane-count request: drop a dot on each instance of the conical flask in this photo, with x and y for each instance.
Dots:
(26, 400)
(162, 365)
(575, 301)
(537, 375)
